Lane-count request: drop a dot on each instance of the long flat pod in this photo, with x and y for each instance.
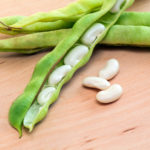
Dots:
(117, 35)
(71, 12)
(127, 18)
(36, 27)
(37, 112)
(47, 64)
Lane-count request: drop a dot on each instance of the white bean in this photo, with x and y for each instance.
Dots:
(90, 36)
(110, 95)
(75, 55)
(58, 74)
(96, 82)
(45, 95)
(110, 69)
(116, 7)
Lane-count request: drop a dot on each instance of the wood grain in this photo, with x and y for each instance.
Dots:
(76, 121)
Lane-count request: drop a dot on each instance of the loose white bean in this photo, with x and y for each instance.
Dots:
(90, 36)
(58, 74)
(116, 7)
(110, 95)
(45, 95)
(110, 69)
(75, 55)
(96, 82)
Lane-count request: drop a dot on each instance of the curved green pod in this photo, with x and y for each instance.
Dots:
(127, 18)
(117, 35)
(72, 12)
(44, 67)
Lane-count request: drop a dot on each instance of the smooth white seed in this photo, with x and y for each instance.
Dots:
(110, 95)
(45, 95)
(110, 69)
(96, 82)
(90, 36)
(75, 55)
(58, 74)
(116, 7)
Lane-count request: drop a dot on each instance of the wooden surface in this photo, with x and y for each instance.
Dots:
(77, 121)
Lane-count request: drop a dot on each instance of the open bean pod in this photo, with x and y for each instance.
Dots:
(26, 105)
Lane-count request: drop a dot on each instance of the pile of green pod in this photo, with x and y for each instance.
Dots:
(74, 31)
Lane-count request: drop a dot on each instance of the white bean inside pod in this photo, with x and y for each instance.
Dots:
(75, 55)
(110, 95)
(58, 74)
(45, 95)
(116, 7)
(110, 69)
(96, 82)
(93, 32)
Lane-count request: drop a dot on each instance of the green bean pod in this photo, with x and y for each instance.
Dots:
(127, 18)
(75, 11)
(45, 66)
(117, 35)
(72, 12)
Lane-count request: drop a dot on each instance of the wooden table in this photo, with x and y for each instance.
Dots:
(77, 121)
